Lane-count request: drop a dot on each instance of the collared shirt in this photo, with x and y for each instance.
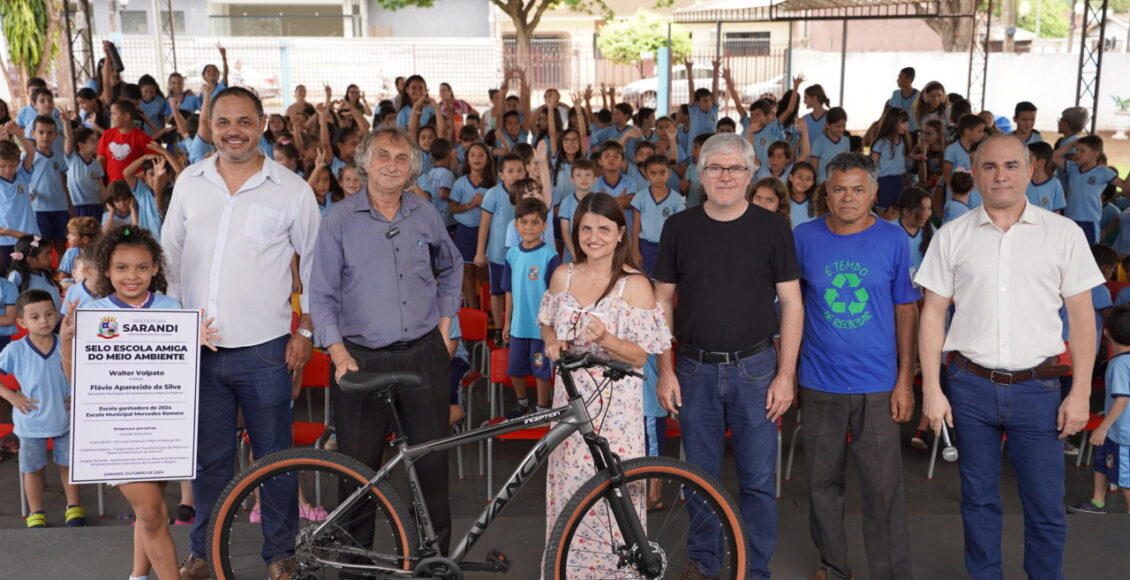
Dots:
(230, 253)
(375, 281)
(1008, 286)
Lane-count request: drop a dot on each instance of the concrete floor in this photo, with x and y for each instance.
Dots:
(103, 550)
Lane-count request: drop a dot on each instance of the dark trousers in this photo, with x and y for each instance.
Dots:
(363, 423)
(828, 419)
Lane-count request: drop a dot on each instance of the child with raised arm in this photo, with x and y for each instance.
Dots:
(42, 405)
(702, 110)
(151, 187)
(17, 218)
(84, 173)
(214, 80)
(122, 144)
(128, 268)
(1086, 180)
(525, 278)
(121, 206)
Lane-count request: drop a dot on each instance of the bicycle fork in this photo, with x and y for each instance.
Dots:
(620, 502)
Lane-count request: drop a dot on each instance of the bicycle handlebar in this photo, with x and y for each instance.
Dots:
(571, 360)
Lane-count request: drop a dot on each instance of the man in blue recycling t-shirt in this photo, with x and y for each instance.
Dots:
(856, 368)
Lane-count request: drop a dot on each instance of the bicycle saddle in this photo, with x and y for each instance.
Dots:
(364, 384)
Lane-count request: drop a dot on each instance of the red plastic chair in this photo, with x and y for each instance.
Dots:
(484, 297)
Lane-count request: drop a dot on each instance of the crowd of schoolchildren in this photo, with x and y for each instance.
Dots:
(88, 186)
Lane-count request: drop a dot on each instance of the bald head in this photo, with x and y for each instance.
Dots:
(1002, 170)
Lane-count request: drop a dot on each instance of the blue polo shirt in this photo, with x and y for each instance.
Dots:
(37, 282)
(78, 293)
(701, 121)
(906, 104)
(461, 192)
(497, 203)
(1048, 195)
(84, 180)
(852, 285)
(8, 295)
(1118, 385)
(824, 149)
(47, 182)
(815, 126)
(768, 135)
(1084, 191)
(654, 213)
(892, 157)
(154, 300)
(15, 206)
(148, 215)
(526, 276)
(957, 156)
(41, 377)
(798, 212)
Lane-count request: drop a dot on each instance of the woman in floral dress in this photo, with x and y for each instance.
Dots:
(600, 303)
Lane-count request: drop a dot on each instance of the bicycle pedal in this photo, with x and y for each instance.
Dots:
(500, 561)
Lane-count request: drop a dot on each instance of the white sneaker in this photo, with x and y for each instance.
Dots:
(331, 443)
(1070, 449)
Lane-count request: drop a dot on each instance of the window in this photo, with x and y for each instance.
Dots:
(745, 43)
(178, 21)
(135, 22)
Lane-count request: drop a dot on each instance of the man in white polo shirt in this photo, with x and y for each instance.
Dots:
(1008, 267)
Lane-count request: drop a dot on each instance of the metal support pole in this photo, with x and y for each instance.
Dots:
(1091, 58)
(170, 29)
(843, 60)
(717, 40)
(158, 45)
(663, 61)
(789, 56)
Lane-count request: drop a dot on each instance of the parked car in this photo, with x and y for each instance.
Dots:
(239, 75)
(774, 86)
(644, 92)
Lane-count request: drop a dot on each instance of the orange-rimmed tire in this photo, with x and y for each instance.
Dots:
(238, 545)
(693, 523)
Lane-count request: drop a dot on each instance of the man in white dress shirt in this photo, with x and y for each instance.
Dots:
(1008, 267)
(236, 220)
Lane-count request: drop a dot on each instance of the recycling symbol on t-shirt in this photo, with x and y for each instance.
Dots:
(843, 298)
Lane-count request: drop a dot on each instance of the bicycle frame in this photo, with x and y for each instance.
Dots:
(571, 418)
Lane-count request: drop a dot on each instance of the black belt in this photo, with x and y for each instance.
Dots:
(711, 357)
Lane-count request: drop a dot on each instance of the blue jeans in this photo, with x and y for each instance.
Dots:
(253, 379)
(983, 411)
(732, 395)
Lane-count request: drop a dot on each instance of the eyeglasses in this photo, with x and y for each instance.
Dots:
(716, 171)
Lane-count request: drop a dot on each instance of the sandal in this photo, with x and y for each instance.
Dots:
(314, 514)
(76, 516)
(655, 506)
(37, 520)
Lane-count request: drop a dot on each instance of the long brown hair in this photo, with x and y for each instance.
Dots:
(605, 206)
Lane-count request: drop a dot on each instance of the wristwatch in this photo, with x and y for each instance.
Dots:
(306, 333)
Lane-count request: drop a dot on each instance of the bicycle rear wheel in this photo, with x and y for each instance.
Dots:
(698, 525)
(377, 529)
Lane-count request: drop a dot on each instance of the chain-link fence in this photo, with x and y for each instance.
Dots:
(472, 66)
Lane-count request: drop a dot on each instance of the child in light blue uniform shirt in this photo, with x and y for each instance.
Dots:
(41, 405)
(8, 295)
(16, 213)
(958, 156)
(1047, 195)
(47, 183)
(1084, 200)
(31, 267)
(651, 212)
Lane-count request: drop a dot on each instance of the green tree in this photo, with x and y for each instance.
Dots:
(622, 41)
(29, 32)
(526, 15)
(1053, 18)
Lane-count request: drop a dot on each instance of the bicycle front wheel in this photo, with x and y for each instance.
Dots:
(273, 509)
(691, 523)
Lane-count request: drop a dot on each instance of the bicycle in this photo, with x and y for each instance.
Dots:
(372, 533)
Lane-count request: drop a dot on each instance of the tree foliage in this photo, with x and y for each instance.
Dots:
(25, 24)
(622, 41)
(1053, 18)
